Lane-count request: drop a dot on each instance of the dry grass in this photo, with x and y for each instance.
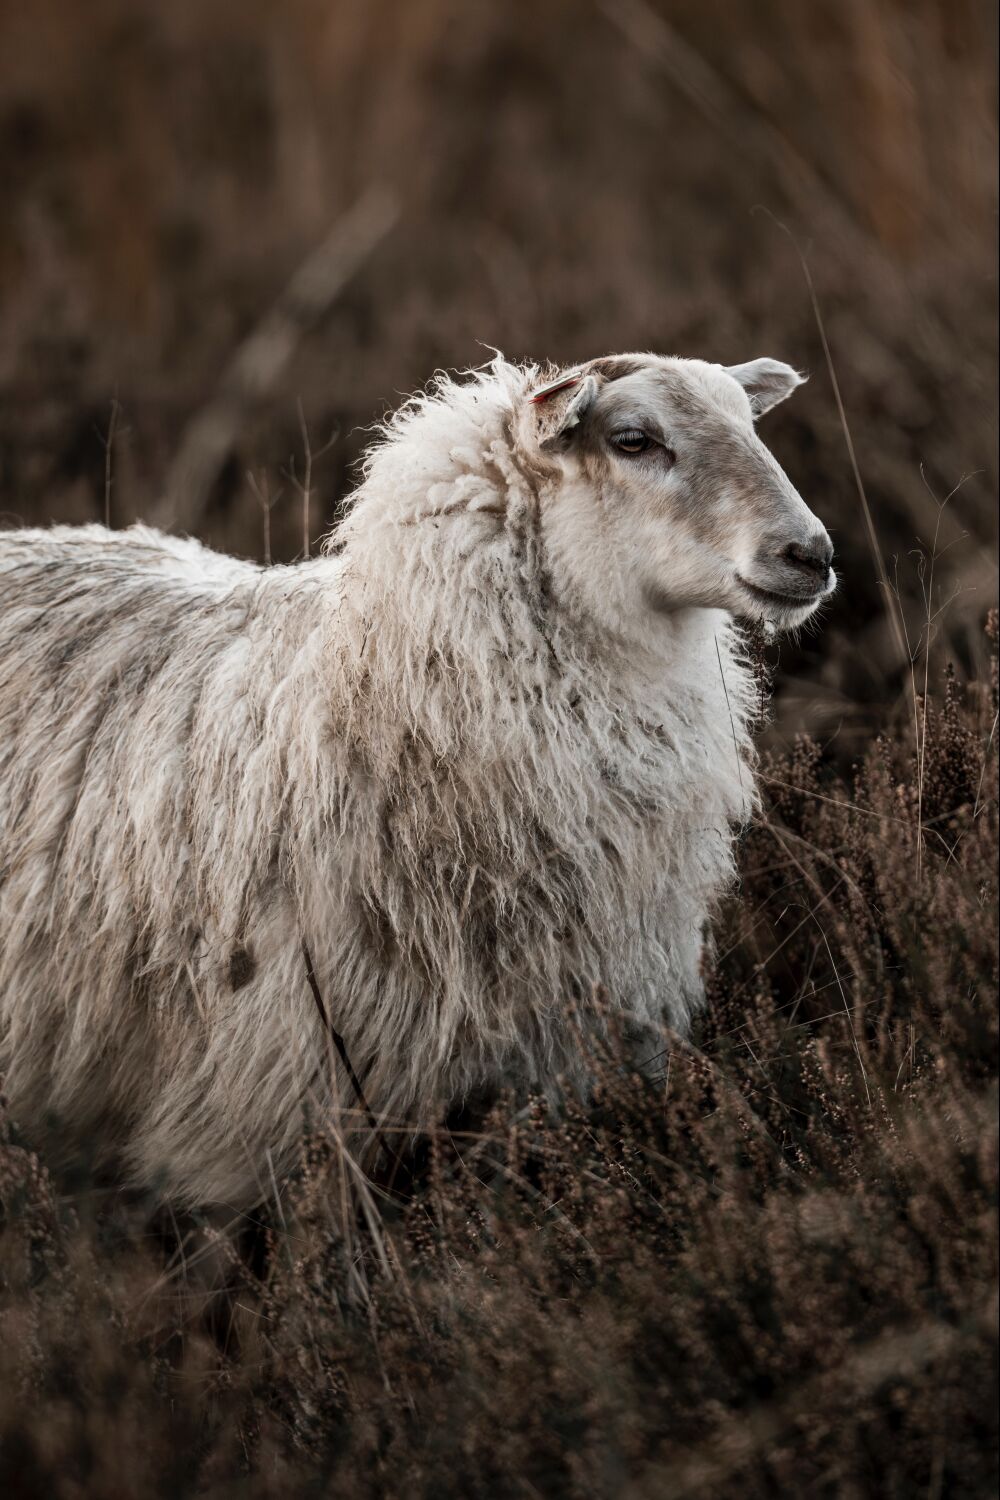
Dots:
(570, 180)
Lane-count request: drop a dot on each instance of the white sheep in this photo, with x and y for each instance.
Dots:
(484, 759)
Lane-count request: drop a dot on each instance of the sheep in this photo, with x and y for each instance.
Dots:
(471, 776)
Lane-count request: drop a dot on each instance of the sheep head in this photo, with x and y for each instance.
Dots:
(659, 496)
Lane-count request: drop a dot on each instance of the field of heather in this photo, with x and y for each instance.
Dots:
(769, 1266)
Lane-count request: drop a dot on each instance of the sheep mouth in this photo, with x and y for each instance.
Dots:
(780, 601)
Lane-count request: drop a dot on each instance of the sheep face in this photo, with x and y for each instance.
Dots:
(665, 499)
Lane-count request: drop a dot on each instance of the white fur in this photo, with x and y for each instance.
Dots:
(476, 799)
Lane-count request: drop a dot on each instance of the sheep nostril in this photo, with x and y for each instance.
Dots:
(814, 558)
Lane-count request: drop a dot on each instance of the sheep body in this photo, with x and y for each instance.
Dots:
(411, 754)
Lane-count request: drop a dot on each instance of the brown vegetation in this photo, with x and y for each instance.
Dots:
(571, 180)
(772, 1270)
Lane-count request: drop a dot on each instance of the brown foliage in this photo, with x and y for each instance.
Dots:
(572, 180)
(770, 1269)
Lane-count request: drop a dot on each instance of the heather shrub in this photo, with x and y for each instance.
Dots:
(769, 1267)
(765, 1265)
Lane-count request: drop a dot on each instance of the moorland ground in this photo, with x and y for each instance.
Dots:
(772, 1268)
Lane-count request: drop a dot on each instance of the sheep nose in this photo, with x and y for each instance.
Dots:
(814, 556)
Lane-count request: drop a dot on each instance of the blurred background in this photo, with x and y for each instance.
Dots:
(569, 179)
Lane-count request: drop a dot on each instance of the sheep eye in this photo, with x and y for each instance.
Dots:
(632, 441)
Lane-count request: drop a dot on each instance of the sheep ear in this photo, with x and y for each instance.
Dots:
(558, 407)
(766, 382)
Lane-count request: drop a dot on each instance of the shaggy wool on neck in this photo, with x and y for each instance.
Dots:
(486, 817)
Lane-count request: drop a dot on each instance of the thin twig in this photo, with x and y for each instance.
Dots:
(306, 479)
(732, 722)
(304, 485)
(108, 444)
(342, 1053)
(982, 774)
(873, 542)
(262, 494)
(931, 617)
